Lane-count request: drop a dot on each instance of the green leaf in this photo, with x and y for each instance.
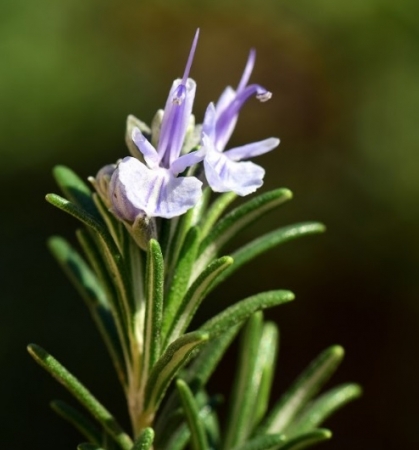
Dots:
(243, 399)
(265, 442)
(78, 420)
(239, 312)
(266, 242)
(178, 439)
(191, 410)
(85, 217)
(78, 271)
(75, 189)
(210, 354)
(145, 440)
(173, 327)
(303, 389)
(216, 210)
(235, 221)
(266, 362)
(70, 382)
(201, 207)
(163, 372)
(94, 296)
(110, 251)
(323, 407)
(180, 227)
(154, 307)
(196, 375)
(182, 274)
(306, 440)
(173, 433)
(115, 228)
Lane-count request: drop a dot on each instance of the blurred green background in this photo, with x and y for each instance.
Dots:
(345, 79)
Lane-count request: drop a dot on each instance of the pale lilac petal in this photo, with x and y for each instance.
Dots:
(251, 150)
(223, 104)
(150, 154)
(130, 189)
(231, 101)
(225, 175)
(226, 120)
(227, 96)
(208, 125)
(177, 195)
(186, 161)
(137, 190)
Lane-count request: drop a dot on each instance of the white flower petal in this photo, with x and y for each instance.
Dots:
(251, 150)
(137, 190)
(148, 151)
(225, 175)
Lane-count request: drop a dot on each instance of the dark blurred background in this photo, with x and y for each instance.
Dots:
(345, 79)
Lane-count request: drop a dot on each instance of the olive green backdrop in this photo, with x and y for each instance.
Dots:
(345, 82)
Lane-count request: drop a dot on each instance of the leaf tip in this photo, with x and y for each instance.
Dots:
(338, 351)
(287, 193)
(37, 352)
(58, 169)
(327, 434)
(288, 296)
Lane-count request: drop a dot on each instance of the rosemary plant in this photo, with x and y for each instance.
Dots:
(152, 240)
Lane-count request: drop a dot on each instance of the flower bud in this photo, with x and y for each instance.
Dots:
(101, 183)
(142, 230)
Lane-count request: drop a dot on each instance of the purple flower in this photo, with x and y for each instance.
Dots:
(224, 171)
(154, 189)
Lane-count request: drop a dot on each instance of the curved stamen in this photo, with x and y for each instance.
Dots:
(231, 111)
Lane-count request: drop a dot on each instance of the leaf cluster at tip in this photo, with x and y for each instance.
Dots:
(143, 300)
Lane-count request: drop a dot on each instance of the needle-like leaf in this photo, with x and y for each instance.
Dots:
(167, 367)
(235, 221)
(87, 428)
(239, 312)
(86, 398)
(304, 388)
(173, 327)
(191, 409)
(145, 440)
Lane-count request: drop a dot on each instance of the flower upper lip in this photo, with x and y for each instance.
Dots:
(231, 101)
(177, 112)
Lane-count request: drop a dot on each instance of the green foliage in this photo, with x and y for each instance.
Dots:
(143, 303)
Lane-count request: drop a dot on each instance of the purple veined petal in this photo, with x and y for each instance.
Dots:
(126, 179)
(177, 195)
(231, 111)
(186, 161)
(150, 154)
(225, 175)
(177, 112)
(175, 120)
(247, 70)
(224, 102)
(251, 150)
(208, 125)
(137, 190)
